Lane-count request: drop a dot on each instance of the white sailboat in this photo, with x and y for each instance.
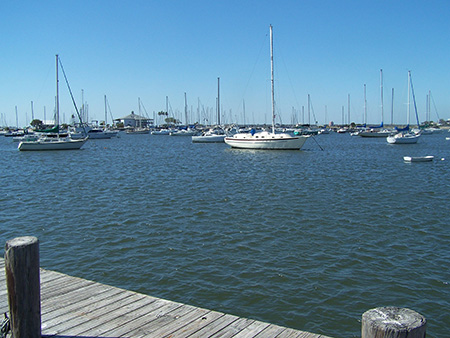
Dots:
(265, 139)
(406, 137)
(213, 135)
(377, 131)
(102, 133)
(53, 143)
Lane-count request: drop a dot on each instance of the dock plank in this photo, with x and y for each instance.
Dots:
(196, 325)
(75, 307)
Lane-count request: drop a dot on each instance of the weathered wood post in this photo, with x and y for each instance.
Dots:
(23, 283)
(393, 322)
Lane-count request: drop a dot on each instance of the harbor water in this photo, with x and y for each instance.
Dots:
(306, 239)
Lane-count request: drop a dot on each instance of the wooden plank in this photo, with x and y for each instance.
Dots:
(100, 321)
(252, 330)
(67, 304)
(196, 325)
(176, 319)
(150, 321)
(272, 331)
(233, 329)
(133, 320)
(56, 324)
(77, 307)
(215, 326)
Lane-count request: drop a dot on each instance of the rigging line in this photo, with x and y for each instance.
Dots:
(414, 100)
(110, 113)
(43, 85)
(145, 109)
(289, 78)
(71, 95)
(316, 142)
(434, 104)
(312, 110)
(254, 67)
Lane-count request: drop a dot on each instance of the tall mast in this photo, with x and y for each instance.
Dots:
(309, 110)
(271, 68)
(167, 108)
(185, 109)
(365, 105)
(381, 85)
(409, 96)
(106, 113)
(392, 107)
(348, 107)
(243, 107)
(139, 107)
(57, 92)
(218, 101)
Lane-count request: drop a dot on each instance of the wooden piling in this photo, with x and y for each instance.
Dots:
(393, 322)
(23, 284)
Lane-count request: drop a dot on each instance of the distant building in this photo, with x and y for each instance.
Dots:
(133, 120)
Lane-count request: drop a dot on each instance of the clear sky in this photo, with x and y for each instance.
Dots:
(156, 49)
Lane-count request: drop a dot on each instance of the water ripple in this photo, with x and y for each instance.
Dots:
(307, 239)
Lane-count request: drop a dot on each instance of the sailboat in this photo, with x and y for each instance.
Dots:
(376, 131)
(213, 135)
(265, 139)
(405, 136)
(53, 143)
(102, 133)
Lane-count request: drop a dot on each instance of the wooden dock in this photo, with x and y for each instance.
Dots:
(75, 307)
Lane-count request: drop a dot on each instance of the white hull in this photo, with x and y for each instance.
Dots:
(101, 134)
(418, 159)
(208, 139)
(52, 144)
(403, 139)
(161, 132)
(265, 140)
(183, 133)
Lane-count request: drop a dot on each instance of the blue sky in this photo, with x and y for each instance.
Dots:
(156, 49)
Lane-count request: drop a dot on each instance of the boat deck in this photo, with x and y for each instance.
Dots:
(75, 307)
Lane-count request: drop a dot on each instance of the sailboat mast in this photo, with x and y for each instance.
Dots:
(409, 97)
(185, 109)
(167, 106)
(381, 89)
(57, 92)
(271, 68)
(365, 105)
(392, 107)
(218, 101)
(106, 112)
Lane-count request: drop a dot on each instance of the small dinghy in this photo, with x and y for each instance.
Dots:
(418, 159)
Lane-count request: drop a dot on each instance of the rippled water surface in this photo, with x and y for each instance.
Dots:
(307, 239)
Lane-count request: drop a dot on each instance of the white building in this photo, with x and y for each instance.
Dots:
(133, 120)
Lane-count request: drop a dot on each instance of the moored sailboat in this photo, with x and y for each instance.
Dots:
(405, 136)
(45, 142)
(377, 131)
(264, 139)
